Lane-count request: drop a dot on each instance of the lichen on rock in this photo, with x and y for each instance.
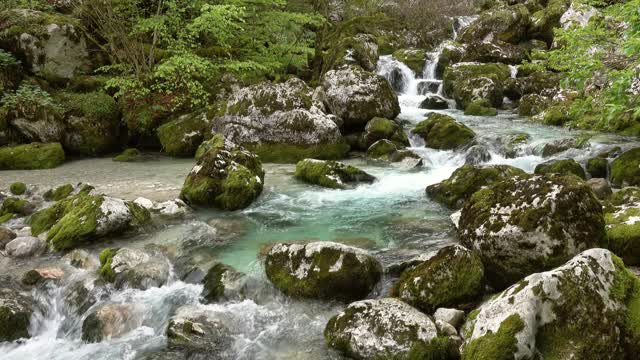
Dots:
(443, 132)
(331, 174)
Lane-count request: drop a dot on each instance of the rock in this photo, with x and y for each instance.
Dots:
(434, 102)
(450, 277)
(59, 193)
(445, 328)
(622, 217)
(477, 154)
(15, 314)
(405, 159)
(322, 270)
(16, 206)
(110, 322)
(382, 150)
(454, 317)
(625, 169)
(357, 96)
(183, 136)
(18, 188)
(555, 115)
(527, 224)
(561, 167)
(31, 156)
(513, 144)
(281, 123)
(465, 181)
(598, 167)
(533, 104)
(546, 314)
(543, 83)
(480, 108)
(360, 49)
(170, 209)
(413, 58)
(558, 146)
(83, 217)
(600, 187)
(6, 236)
(28, 246)
(331, 174)
(223, 282)
(80, 296)
(452, 53)
(494, 52)
(507, 24)
(41, 275)
(229, 178)
(81, 259)
(133, 268)
(199, 333)
(428, 87)
(455, 75)
(129, 155)
(443, 132)
(379, 128)
(216, 142)
(544, 22)
(383, 329)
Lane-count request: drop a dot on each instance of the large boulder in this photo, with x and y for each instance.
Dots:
(15, 314)
(358, 96)
(359, 49)
(469, 82)
(562, 167)
(460, 72)
(380, 128)
(227, 178)
(331, 174)
(415, 59)
(199, 333)
(503, 23)
(133, 268)
(281, 123)
(622, 217)
(384, 329)
(31, 156)
(625, 169)
(528, 224)
(494, 52)
(467, 180)
(449, 277)
(584, 309)
(443, 132)
(322, 270)
(183, 136)
(533, 104)
(545, 21)
(110, 321)
(86, 218)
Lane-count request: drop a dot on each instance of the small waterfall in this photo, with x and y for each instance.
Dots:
(514, 71)
(402, 79)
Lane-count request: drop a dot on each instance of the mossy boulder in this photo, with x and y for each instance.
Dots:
(415, 59)
(456, 75)
(199, 332)
(452, 53)
(322, 270)
(83, 218)
(494, 52)
(533, 104)
(280, 123)
(359, 49)
(505, 23)
(543, 22)
(129, 155)
(223, 282)
(182, 136)
(228, 178)
(434, 102)
(357, 96)
(31, 156)
(622, 217)
(381, 128)
(59, 193)
(513, 144)
(15, 314)
(382, 150)
(217, 141)
(443, 132)
(15, 206)
(558, 146)
(561, 167)
(331, 174)
(386, 150)
(385, 329)
(18, 188)
(597, 167)
(528, 224)
(625, 169)
(555, 115)
(480, 107)
(133, 268)
(546, 314)
(450, 277)
(465, 181)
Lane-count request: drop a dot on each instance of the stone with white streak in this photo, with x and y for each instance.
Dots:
(137, 269)
(454, 317)
(622, 216)
(322, 270)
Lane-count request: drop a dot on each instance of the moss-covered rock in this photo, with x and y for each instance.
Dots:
(434, 102)
(480, 107)
(545, 315)
(385, 329)
(129, 155)
(467, 180)
(597, 167)
(322, 270)
(543, 22)
(15, 314)
(622, 216)
(230, 178)
(216, 142)
(625, 170)
(133, 268)
(183, 136)
(555, 115)
(494, 52)
(413, 58)
(455, 75)
(528, 224)
(443, 132)
(452, 53)
(513, 144)
(449, 277)
(59, 193)
(382, 150)
(200, 333)
(31, 156)
(357, 96)
(223, 282)
(561, 167)
(85, 218)
(18, 188)
(331, 174)
(508, 24)
(557, 146)
(16, 206)
(533, 104)
(381, 128)
(359, 49)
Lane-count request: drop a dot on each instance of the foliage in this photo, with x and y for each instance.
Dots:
(7, 60)
(41, 5)
(30, 102)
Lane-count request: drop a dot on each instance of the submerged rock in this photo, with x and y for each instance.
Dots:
(527, 224)
(15, 314)
(466, 180)
(31, 156)
(477, 154)
(322, 270)
(558, 146)
(331, 174)
(443, 132)
(480, 107)
(561, 167)
(110, 321)
(449, 277)
(547, 314)
(223, 282)
(133, 268)
(129, 155)
(625, 169)
(385, 328)
(198, 333)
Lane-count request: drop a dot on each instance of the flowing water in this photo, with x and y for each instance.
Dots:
(392, 217)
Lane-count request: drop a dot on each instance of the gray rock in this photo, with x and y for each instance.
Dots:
(198, 332)
(81, 259)
(434, 102)
(600, 187)
(25, 247)
(6, 236)
(454, 317)
(138, 269)
(15, 314)
(444, 328)
(558, 146)
(111, 321)
(477, 154)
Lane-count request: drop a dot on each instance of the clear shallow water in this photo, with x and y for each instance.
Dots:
(391, 217)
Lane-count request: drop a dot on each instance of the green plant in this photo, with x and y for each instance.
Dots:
(30, 102)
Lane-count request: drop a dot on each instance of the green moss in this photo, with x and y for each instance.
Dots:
(6, 217)
(382, 149)
(129, 155)
(31, 156)
(624, 233)
(501, 345)
(216, 142)
(436, 349)
(480, 107)
(456, 75)
(106, 258)
(18, 188)
(443, 132)
(13, 326)
(414, 58)
(556, 115)
(290, 153)
(532, 104)
(597, 167)
(15, 206)
(625, 170)
(329, 174)
(181, 137)
(59, 193)
(213, 282)
(381, 128)
(562, 167)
